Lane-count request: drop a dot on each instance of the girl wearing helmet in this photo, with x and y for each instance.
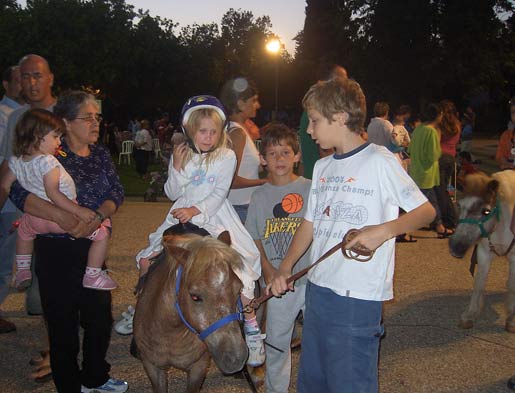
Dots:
(200, 174)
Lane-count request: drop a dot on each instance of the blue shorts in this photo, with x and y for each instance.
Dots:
(340, 343)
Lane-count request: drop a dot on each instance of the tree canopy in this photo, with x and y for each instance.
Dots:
(404, 51)
(415, 51)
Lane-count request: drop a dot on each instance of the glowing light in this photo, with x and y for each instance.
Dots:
(273, 46)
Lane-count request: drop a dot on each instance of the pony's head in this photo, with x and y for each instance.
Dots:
(209, 291)
(479, 209)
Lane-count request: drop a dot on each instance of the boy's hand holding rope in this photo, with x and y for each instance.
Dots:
(349, 246)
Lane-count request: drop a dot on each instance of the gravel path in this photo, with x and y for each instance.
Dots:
(423, 350)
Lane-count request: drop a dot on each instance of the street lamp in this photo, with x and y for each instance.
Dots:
(274, 46)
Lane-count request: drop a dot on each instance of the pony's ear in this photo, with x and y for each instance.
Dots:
(179, 253)
(225, 237)
(491, 189)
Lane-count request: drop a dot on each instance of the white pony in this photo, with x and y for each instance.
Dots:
(485, 217)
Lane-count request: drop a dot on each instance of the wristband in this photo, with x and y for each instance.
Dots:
(99, 215)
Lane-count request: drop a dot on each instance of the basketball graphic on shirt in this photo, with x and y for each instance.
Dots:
(292, 203)
(279, 212)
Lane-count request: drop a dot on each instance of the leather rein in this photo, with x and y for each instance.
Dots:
(358, 253)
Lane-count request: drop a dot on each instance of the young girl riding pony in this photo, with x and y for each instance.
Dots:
(199, 177)
(37, 140)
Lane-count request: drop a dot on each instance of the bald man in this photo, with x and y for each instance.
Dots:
(36, 86)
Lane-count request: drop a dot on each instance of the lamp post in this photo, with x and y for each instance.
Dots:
(274, 46)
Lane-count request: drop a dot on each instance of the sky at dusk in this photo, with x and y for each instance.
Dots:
(287, 16)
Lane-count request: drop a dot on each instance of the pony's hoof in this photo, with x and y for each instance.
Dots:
(468, 324)
(510, 327)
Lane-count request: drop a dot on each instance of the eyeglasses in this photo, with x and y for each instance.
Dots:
(91, 118)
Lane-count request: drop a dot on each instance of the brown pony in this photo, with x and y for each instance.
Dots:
(209, 290)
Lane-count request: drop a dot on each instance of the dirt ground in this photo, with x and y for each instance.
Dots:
(423, 349)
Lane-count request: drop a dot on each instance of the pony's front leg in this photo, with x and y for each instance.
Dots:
(197, 373)
(484, 260)
(510, 296)
(158, 377)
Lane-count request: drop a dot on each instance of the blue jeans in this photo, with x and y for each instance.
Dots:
(7, 251)
(340, 343)
(242, 212)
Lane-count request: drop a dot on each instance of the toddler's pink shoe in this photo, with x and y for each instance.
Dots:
(23, 279)
(101, 282)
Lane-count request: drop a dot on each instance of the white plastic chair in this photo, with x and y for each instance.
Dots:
(156, 147)
(126, 152)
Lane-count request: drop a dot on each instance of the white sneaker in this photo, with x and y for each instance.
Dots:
(124, 325)
(255, 342)
(112, 385)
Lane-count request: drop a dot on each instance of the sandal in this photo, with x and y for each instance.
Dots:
(405, 239)
(445, 234)
(43, 374)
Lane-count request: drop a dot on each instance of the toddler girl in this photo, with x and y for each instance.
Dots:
(37, 138)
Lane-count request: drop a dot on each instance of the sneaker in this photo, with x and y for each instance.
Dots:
(124, 325)
(23, 279)
(112, 385)
(102, 282)
(255, 342)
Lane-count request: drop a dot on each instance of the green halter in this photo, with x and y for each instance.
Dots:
(496, 212)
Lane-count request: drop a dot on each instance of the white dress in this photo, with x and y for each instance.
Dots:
(206, 188)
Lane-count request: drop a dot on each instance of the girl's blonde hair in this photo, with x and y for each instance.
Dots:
(192, 126)
(32, 127)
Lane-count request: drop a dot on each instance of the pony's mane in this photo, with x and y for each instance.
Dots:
(506, 181)
(476, 185)
(205, 251)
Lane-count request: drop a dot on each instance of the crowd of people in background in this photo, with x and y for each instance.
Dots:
(220, 137)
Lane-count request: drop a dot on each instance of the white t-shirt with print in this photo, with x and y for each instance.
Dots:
(30, 175)
(363, 187)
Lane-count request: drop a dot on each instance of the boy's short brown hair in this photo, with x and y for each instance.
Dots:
(381, 109)
(274, 133)
(336, 96)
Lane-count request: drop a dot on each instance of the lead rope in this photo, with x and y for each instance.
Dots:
(358, 253)
(492, 247)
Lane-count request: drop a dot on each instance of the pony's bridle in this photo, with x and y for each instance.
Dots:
(494, 213)
(237, 316)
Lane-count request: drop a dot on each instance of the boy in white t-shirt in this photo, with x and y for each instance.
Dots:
(361, 186)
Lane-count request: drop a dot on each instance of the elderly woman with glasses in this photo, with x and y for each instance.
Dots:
(61, 259)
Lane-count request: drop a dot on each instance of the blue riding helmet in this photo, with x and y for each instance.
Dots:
(201, 102)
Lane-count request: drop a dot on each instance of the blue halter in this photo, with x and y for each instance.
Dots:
(496, 212)
(237, 316)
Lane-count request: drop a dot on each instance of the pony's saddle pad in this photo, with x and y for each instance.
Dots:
(181, 229)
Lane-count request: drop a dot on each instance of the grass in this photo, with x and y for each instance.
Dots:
(133, 184)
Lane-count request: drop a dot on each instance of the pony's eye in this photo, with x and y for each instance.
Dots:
(195, 298)
(486, 211)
